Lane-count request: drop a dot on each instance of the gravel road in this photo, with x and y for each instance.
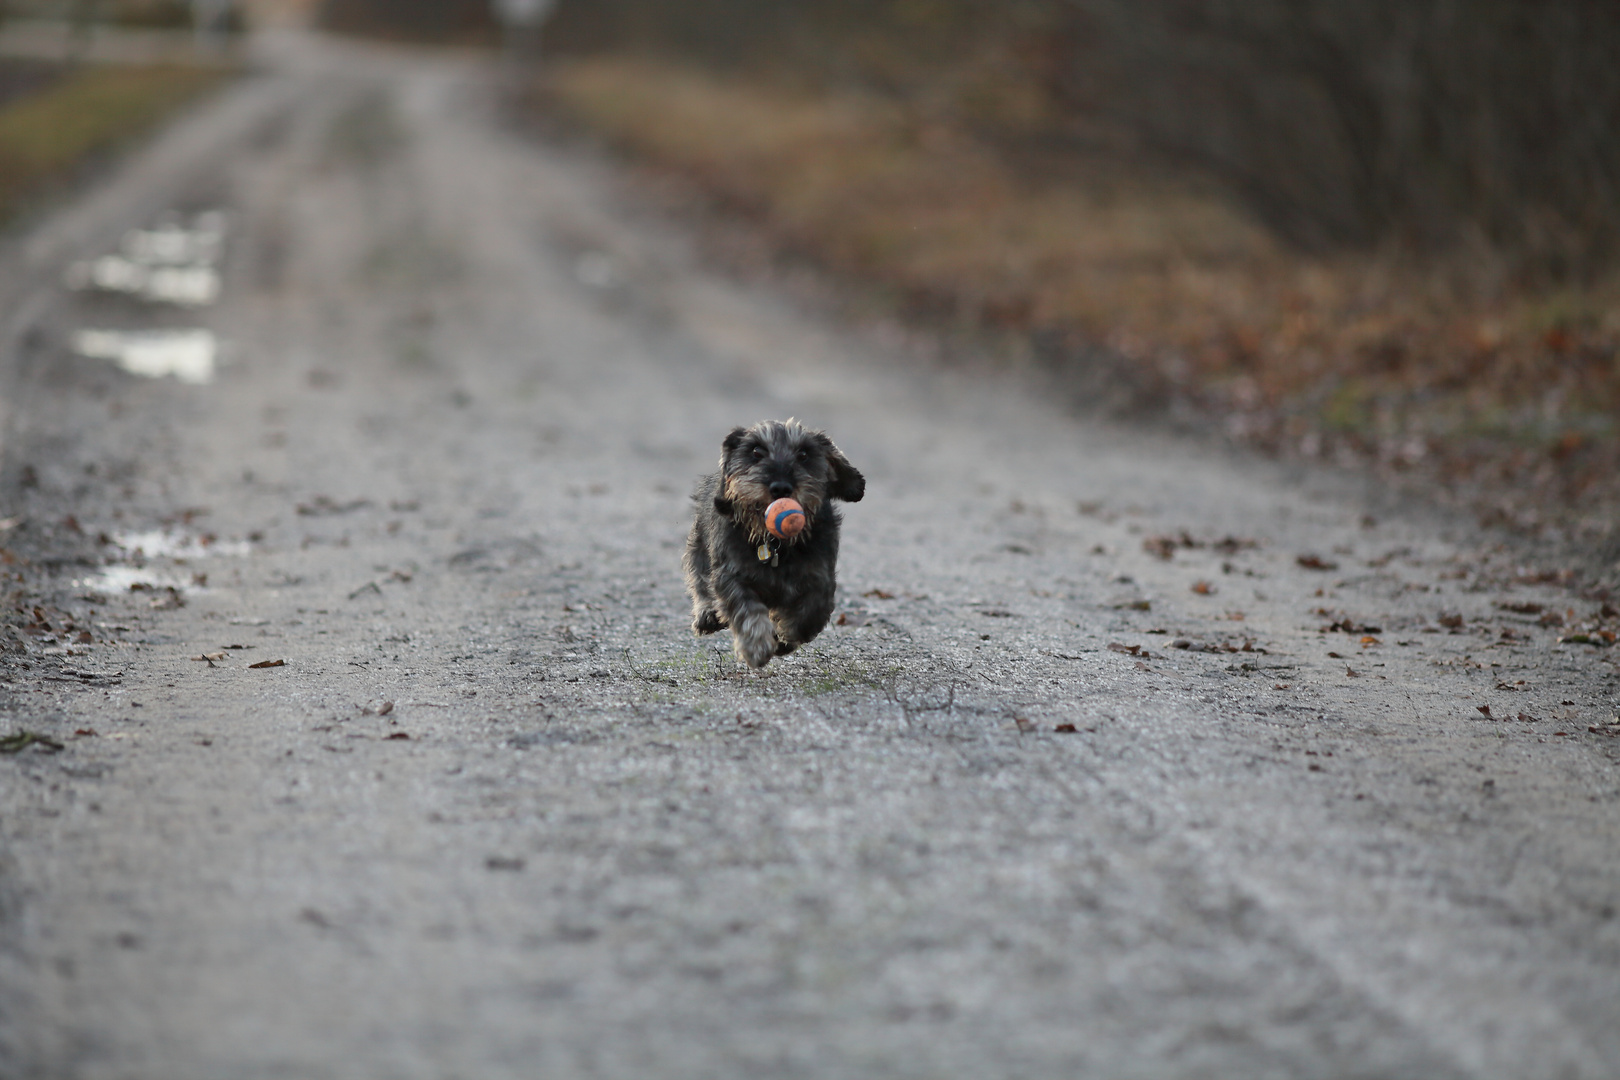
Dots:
(1126, 757)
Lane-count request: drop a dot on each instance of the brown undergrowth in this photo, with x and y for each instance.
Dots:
(1502, 395)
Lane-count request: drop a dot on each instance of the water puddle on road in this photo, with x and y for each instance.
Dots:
(160, 561)
(163, 544)
(171, 263)
(188, 355)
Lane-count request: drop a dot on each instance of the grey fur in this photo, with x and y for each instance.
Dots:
(771, 606)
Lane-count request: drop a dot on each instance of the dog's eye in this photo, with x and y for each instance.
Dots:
(759, 454)
(804, 455)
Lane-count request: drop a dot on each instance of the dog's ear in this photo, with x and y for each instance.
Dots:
(846, 481)
(730, 444)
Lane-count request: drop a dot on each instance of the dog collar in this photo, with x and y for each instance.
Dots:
(770, 551)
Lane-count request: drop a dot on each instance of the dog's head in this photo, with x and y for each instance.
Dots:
(780, 459)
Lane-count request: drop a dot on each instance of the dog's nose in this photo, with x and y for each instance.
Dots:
(781, 489)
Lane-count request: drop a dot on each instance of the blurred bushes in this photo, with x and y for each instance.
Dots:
(1424, 125)
(141, 14)
(441, 22)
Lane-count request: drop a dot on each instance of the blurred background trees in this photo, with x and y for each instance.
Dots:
(1425, 123)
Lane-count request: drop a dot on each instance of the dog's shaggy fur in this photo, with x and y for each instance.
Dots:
(776, 604)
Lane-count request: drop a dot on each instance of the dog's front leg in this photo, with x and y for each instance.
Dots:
(752, 635)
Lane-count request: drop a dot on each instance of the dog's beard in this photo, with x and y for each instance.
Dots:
(749, 496)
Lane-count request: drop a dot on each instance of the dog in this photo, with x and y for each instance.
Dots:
(773, 594)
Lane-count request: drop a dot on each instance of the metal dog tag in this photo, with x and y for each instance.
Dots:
(764, 552)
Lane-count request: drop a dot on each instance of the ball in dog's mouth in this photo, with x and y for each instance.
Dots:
(784, 519)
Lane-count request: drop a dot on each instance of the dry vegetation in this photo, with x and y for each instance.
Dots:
(48, 134)
(1445, 364)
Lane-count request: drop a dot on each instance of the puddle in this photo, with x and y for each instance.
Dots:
(188, 355)
(186, 286)
(172, 263)
(133, 571)
(120, 578)
(174, 244)
(159, 544)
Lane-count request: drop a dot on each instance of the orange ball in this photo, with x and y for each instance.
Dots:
(784, 519)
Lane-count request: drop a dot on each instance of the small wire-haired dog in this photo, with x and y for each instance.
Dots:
(774, 594)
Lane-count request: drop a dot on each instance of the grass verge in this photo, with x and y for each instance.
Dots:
(1449, 372)
(46, 137)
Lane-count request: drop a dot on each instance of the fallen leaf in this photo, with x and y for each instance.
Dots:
(1335, 656)
(878, 594)
(1282, 686)
(1315, 562)
(1120, 647)
(1348, 626)
(1162, 546)
(1485, 711)
(1351, 673)
(1066, 729)
(397, 735)
(1450, 622)
(269, 663)
(1527, 718)
(386, 708)
(210, 657)
(1369, 641)
(1203, 588)
(1023, 724)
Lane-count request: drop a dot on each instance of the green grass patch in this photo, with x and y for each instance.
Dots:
(47, 137)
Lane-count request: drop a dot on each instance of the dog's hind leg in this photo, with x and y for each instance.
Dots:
(800, 625)
(705, 608)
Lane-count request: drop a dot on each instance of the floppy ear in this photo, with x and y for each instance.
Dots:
(722, 505)
(732, 441)
(847, 483)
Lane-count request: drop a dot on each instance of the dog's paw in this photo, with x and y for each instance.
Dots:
(708, 622)
(754, 641)
(785, 647)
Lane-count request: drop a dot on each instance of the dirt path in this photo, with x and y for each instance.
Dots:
(1023, 812)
